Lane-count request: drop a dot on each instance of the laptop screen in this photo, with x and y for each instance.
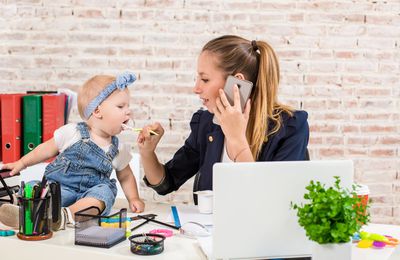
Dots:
(252, 215)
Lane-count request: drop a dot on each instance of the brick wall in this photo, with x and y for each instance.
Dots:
(339, 61)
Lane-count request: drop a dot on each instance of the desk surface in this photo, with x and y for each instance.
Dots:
(176, 247)
(61, 246)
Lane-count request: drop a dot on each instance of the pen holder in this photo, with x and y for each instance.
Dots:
(34, 221)
(92, 229)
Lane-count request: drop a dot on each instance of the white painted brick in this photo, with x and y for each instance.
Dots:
(339, 60)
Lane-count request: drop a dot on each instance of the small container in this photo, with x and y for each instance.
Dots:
(147, 244)
(92, 229)
(34, 221)
(362, 192)
(205, 201)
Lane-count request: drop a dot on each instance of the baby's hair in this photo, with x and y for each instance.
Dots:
(91, 89)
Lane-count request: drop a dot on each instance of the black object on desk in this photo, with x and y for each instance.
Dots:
(91, 228)
(158, 222)
(6, 190)
(147, 244)
(152, 216)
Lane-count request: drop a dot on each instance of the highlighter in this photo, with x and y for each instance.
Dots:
(28, 212)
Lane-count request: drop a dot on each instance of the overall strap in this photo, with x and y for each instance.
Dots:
(83, 130)
(113, 151)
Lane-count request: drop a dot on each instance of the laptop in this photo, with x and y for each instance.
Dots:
(252, 215)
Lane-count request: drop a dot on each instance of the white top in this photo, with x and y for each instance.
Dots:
(224, 157)
(69, 134)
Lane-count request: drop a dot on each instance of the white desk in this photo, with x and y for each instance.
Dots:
(376, 254)
(61, 245)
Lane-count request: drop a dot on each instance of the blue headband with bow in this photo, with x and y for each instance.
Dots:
(121, 82)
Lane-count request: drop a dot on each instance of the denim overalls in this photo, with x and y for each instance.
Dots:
(84, 170)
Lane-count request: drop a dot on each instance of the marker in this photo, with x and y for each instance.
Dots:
(176, 216)
(28, 213)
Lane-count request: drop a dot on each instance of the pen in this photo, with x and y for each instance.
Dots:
(159, 222)
(40, 210)
(176, 216)
(43, 184)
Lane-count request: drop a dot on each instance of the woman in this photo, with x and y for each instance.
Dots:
(266, 131)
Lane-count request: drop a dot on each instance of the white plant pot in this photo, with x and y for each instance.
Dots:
(337, 251)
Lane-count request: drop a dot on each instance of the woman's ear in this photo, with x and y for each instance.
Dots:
(97, 113)
(240, 76)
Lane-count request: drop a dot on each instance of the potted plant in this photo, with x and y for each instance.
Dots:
(330, 217)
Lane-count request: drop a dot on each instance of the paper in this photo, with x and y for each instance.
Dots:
(99, 236)
(189, 213)
(205, 245)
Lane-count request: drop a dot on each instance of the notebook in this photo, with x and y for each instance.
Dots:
(99, 236)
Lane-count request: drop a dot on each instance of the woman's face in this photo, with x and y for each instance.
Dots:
(209, 80)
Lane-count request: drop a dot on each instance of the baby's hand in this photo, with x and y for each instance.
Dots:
(136, 205)
(15, 167)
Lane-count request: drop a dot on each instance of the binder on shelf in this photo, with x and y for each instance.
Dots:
(32, 122)
(11, 127)
(53, 114)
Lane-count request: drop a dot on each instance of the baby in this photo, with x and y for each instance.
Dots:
(87, 153)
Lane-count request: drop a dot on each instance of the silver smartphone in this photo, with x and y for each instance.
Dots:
(245, 88)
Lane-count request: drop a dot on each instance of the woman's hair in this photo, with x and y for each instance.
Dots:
(91, 89)
(257, 61)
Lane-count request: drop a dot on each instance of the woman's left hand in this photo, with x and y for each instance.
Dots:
(233, 122)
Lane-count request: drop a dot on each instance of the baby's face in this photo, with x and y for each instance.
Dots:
(115, 111)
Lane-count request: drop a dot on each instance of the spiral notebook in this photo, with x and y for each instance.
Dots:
(99, 236)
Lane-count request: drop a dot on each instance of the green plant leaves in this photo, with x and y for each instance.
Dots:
(332, 214)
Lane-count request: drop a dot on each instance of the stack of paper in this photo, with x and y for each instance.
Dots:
(99, 236)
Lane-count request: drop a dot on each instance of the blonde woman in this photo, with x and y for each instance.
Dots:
(266, 131)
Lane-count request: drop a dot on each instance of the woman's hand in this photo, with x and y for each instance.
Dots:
(233, 122)
(147, 142)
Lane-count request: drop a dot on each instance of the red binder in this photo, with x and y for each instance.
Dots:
(53, 107)
(1, 145)
(53, 112)
(11, 118)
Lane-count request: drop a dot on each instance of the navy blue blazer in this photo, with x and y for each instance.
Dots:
(203, 148)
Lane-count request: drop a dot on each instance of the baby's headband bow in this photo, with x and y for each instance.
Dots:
(121, 82)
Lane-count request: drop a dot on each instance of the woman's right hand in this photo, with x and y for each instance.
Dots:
(147, 142)
(15, 167)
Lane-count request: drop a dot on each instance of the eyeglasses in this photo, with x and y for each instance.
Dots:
(193, 229)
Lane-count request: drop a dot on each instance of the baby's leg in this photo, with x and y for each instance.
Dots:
(85, 203)
(102, 193)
